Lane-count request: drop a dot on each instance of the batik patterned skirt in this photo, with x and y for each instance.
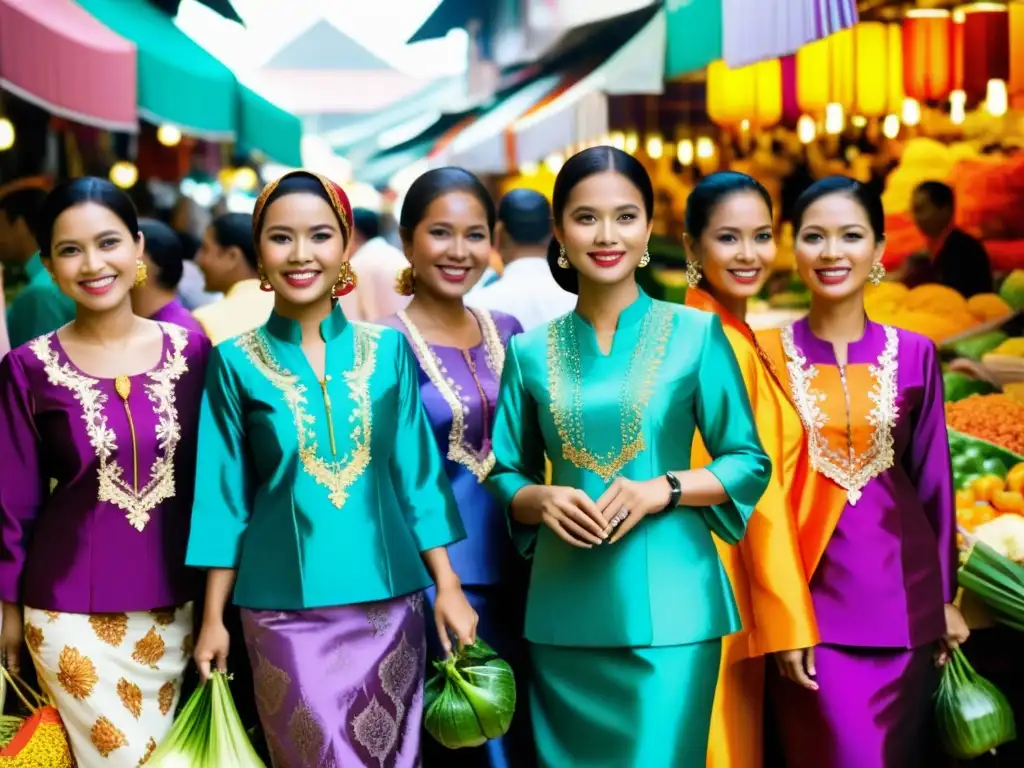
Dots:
(872, 709)
(342, 686)
(623, 707)
(115, 677)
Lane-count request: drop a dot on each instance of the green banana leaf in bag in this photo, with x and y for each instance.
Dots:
(471, 698)
(973, 716)
(207, 733)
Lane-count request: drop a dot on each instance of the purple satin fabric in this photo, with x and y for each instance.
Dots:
(174, 312)
(340, 686)
(873, 710)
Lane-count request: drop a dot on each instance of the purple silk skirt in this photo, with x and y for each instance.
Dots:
(340, 686)
(872, 709)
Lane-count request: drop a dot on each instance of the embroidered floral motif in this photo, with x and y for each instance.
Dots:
(150, 649)
(76, 673)
(415, 601)
(850, 470)
(107, 737)
(479, 462)
(33, 637)
(52, 616)
(565, 373)
(337, 476)
(379, 620)
(112, 486)
(187, 646)
(165, 697)
(150, 749)
(111, 628)
(131, 696)
(306, 735)
(164, 616)
(376, 731)
(271, 686)
(398, 671)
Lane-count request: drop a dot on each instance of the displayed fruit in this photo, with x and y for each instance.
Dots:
(984, 498)
(1005, 534)
(932, 310)
(1015, 391)
(979, 466)
(977, 346)
(958, 385)
(1011, 347)
(996, 418)
(1012, 289)
(934, 296)
(988, 306)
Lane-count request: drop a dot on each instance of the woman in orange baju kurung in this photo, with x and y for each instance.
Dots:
(731, 248)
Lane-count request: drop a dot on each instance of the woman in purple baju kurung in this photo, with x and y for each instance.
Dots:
(884, 565)
(322, 490)
(447, 221)
(100, 420)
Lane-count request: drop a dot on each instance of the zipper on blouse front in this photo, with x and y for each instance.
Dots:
(330, 418)
(123, 387)
(849, 417)
(485, 405)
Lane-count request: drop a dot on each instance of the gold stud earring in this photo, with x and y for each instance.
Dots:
(563, 260)
(693, 273)
(877, 274)
(140, 273)
(646, 258)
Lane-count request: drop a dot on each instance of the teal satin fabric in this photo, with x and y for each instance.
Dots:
(307, 526)
(662, 584)
(623, 707)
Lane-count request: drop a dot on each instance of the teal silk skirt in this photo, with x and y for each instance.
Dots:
(623, 707)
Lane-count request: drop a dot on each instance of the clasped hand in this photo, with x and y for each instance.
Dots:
(583, 523)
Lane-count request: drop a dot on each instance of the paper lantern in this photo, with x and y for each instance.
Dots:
(928, 54)
(859, 68)
(752, 93)
(986, 47)
(1016, 48)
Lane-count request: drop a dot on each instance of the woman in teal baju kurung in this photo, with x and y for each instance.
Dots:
(321, 497)
(628, 599)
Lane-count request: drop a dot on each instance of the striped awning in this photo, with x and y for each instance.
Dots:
(54, 54)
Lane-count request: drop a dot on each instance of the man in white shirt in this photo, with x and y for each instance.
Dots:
(526, 290)
(376, 263)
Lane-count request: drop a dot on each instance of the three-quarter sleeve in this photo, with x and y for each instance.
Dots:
(518, 447)
(726, 424)
(223, 495)
(417, 467)
(22, 487)
(928, 464)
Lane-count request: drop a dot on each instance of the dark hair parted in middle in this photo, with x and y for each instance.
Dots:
(436, 183)
(709, 193)
(235, 230)
(869, 201)
(580, 166)
(87, 189)
(304, 182)
(163, 246)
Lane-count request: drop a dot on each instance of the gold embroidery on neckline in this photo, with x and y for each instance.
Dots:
(112, 488)
(564, 371)
(336, 476)
(850, 472)
(459, 449)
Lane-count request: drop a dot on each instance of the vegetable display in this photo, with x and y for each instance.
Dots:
(207, 733)
(936, 311)
(974, 458)
(1012, 289)
(978, 346)
(972, 714)
(996, 418)
(470, 699)
(958, 385)
(997, 580)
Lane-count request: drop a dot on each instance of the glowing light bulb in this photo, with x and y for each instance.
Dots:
(685, 152)
(655, 147)
(891, 126)
(168, 135)
(124, 174)
(911, 112)
(806, 130)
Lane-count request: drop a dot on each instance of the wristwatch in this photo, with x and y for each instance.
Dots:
(676, 492)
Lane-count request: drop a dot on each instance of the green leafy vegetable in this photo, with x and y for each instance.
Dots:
(973, 457)
(997, 580)
(975, 347)
(207, 733)
(973, 716)
(471, 698)
(958, 385)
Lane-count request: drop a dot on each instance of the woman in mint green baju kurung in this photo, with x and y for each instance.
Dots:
(625, 637)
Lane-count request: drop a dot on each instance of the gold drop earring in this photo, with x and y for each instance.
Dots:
(563, 260)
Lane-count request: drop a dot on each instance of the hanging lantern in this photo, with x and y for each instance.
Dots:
(752, 93)
(1016, 48)
(958, 49)
(927, 54)
(859, 68)
(986, 47)
(878, 72)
